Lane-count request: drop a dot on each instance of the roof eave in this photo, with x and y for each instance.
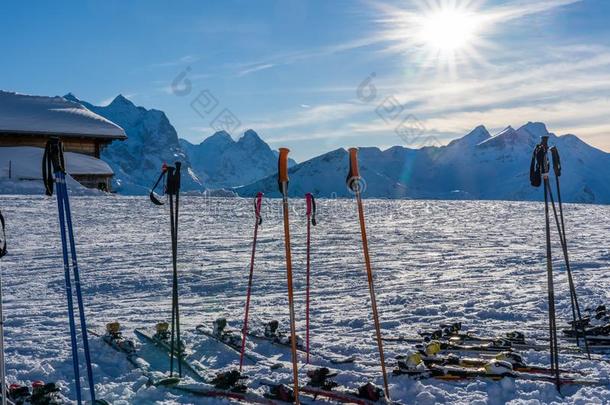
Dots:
(65, 134)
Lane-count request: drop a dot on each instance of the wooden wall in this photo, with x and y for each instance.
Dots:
(87, 146)
(97, 181)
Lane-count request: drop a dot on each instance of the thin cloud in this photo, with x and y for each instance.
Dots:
(177, 62)
(256, 68)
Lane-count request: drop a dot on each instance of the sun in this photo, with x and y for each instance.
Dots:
(448, 30)
(447, 36)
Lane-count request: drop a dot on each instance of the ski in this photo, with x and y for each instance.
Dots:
(206, 392)
(285, 344)
(229, 338)
(321, 385)
(223, 385)
(161, 340)
(273, 334)
(510, 341)
(40, 393)
(127, 347)
(453, 359)
(493, 370)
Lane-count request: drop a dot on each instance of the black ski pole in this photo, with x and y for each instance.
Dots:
(2, 364)
(172, 190)
(561, 228)
(171, 175)
(539, 173)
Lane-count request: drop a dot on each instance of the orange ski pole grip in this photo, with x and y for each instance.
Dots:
(282, 167)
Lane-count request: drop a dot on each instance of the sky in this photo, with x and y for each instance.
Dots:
(318, 75)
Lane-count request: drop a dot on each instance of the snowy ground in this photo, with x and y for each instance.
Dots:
(478, 262)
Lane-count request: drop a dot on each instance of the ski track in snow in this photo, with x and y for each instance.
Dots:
(481, 263)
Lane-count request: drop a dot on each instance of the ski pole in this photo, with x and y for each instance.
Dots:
(551, 290)
(53, 157)
(311, 220)
(539, 173)
(173, 191)
(564, 244)
(354, 184)
(283, 184)
(2, 364)
(258, 221)
(77, 285)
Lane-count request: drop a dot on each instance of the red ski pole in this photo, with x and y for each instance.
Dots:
(258, 201)
(311, 220)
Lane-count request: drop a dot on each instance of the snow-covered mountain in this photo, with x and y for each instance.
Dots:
(152, 141)
(222, 162)
(476, 166)
(325, 176)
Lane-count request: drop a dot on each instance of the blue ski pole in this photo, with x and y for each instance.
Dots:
(79, 295)
(53, 158)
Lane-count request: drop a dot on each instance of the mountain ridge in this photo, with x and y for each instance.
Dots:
(478, 165)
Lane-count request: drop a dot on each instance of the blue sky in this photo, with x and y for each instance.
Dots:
(297, 71)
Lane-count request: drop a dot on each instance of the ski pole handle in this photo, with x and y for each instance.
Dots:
(177, 177)
(282, 169)
(556, 161)
(353, 177)
(311, 208)
(258, 202)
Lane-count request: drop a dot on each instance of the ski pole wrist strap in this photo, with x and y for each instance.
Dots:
(258, 202)
(153, 197)
(173, 179)
(3, 248)
(52, 161)
(556, 161)
(353, 177)
(311, 208)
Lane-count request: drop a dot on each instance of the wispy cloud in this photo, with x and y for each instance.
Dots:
(569, 96)
(255, 68)
(312, 116)
(518, 9)
(184, 60)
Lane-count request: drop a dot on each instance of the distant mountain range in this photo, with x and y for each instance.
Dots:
(225, 163)
(476, 166)
(216, 163)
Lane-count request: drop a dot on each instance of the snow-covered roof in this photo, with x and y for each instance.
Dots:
(20, 113)
(26, 163)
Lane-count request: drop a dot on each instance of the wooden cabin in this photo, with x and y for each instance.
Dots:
(31, 120)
